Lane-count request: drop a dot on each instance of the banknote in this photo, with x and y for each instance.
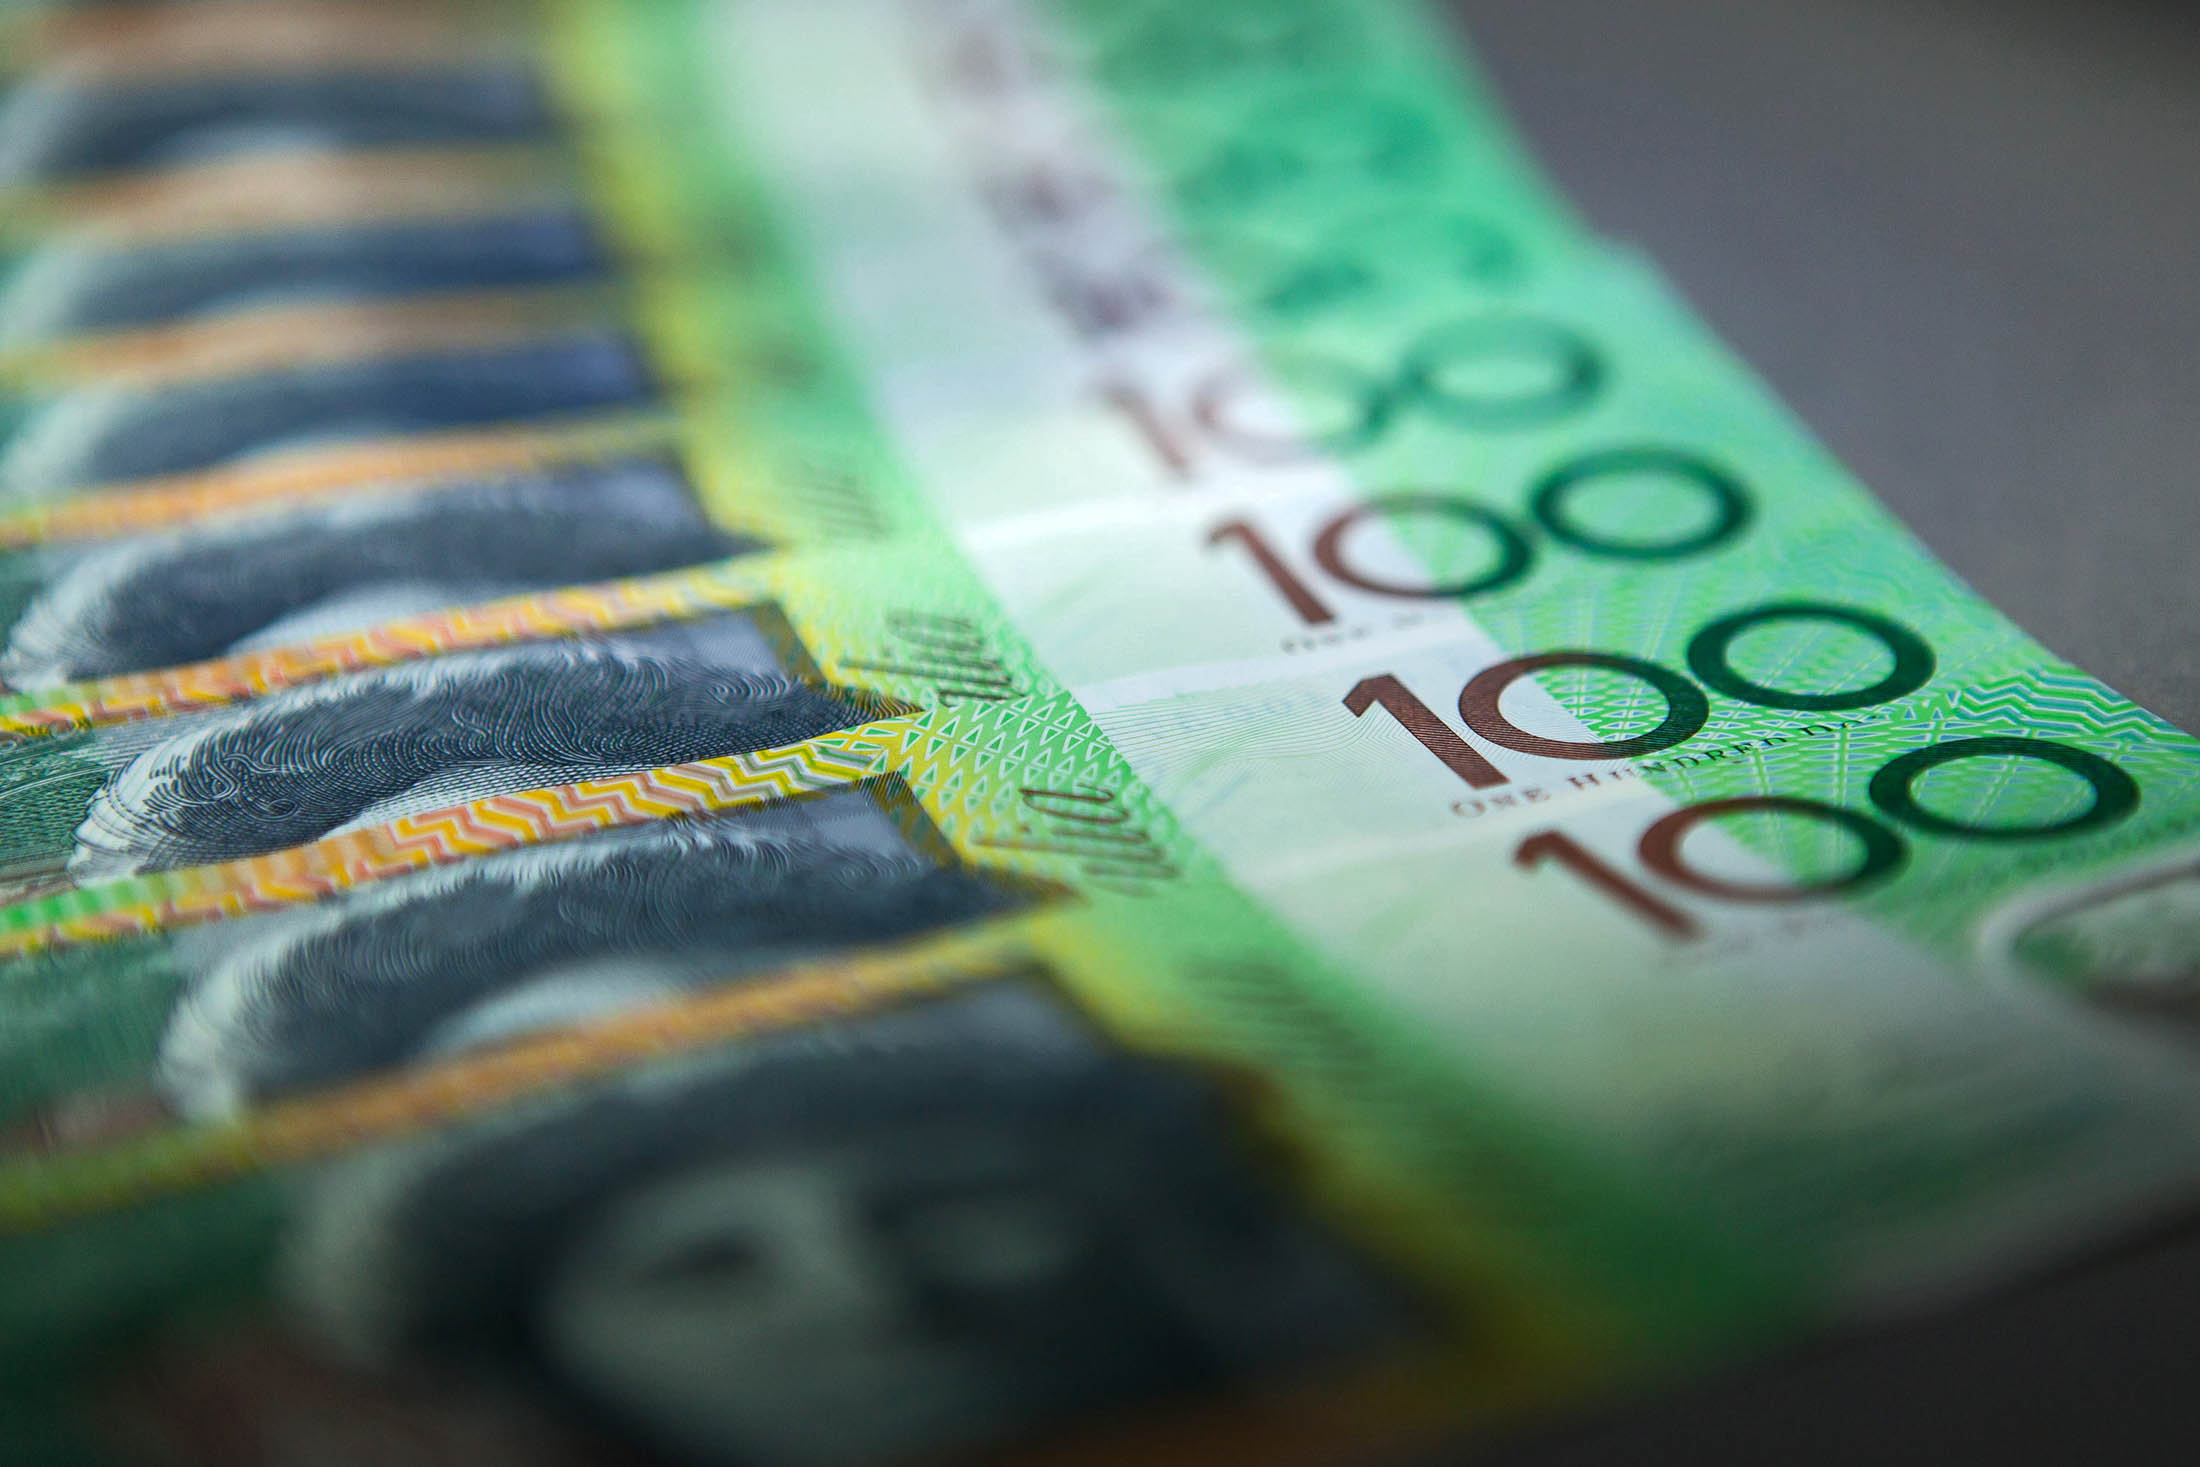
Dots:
(70, 123)
(69, 289)
(119, 41)
(509, 695)
(307, 531)
(292, 527)
(1473, 565)
(193, 595)
(372, 372)
(335, 346)
(1689, 526)
(232, 322)
(423, 379)
(1352, 659)
(473, 475)
(253, 191)
(216, 119)
(234, 1016)
(142, 601)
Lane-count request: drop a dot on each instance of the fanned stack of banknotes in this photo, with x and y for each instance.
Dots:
(831, 733)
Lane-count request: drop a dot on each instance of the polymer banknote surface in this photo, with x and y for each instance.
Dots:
(982, 725)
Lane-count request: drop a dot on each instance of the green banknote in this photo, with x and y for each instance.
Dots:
(1362, 728)
(1517, 579)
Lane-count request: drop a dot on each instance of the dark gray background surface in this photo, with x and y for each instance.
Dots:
(1962, 239)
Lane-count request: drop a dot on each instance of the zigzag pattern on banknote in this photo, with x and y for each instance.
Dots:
(2052, 703)
(683, 789)
(179, 499)
(539, 616)
(502, 822)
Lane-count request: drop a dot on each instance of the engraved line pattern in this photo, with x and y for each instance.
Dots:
(438, 837)
(537, 616)
(177, 499)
